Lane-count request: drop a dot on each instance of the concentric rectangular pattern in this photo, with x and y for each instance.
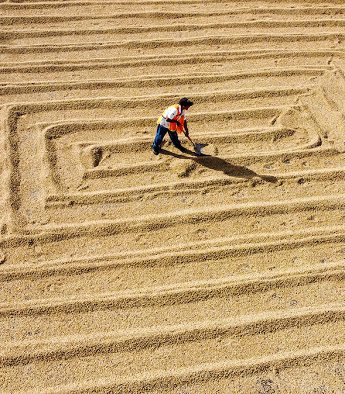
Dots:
(126, 272)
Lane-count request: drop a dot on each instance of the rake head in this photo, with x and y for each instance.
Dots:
(198, 148)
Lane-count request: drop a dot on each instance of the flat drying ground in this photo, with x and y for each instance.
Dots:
(125, 272)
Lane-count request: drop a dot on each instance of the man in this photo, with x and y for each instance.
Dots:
(172, 121)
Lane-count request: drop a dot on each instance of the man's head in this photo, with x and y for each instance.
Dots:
(185, 103)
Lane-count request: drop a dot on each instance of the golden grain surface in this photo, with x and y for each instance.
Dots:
(125, 272)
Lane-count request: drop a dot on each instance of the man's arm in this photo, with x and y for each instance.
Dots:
(185, 128)
(172, 121)
(169, 117)
(170, 114)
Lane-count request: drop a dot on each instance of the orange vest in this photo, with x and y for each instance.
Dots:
(180, 118)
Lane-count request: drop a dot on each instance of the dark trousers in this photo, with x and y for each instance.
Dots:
(160, 133)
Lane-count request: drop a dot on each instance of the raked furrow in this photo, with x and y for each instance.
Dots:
(225, 60)
(41, 91)
(176, 303)
(135, 352)
(239, 218)
(183, 45)
(238, 186)
(248, 374)
(260, 167)
(56, 9)
(20, 38)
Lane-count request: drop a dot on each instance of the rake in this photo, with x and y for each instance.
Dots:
(197, 147)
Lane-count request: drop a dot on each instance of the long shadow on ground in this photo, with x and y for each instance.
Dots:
(218, 164)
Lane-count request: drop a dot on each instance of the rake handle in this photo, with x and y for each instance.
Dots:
(189, 139)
